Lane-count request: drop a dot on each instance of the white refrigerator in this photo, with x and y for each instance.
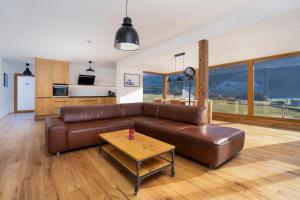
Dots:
(25, 93)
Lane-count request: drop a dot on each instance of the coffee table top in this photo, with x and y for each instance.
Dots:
(140, 148)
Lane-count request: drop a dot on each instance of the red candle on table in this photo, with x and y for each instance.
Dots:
(131, 134)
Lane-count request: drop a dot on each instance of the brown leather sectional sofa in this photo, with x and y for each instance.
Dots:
(183, 126)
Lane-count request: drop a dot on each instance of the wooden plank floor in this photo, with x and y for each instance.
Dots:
(268, 168)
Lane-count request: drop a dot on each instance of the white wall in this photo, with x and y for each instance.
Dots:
(2, 103)
(105, 75)
(129, 94)
(105, 80)
(11, 67)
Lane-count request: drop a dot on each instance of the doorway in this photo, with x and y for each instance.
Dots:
(24, 93)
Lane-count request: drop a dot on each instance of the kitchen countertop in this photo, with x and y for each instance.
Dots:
(88, 96)
(80, 96)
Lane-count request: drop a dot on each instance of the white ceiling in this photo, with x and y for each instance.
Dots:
(275, 35)
(58, 29)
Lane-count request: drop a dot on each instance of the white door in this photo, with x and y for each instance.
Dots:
(25, 93)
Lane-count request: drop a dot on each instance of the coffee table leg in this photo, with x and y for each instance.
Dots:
(138, 179)
(172, 164)
(100, 148)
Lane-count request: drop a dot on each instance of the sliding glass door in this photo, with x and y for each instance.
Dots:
(273, 88)
(152, 87)
(228, 88)
(276, 88)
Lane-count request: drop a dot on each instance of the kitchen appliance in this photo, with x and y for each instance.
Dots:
(111, 94)
(86, 80)
(60, 90)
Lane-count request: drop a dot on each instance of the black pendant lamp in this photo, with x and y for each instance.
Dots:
(27, 71)
(179, 79)
(90, 68)
(127, 39)
(169, 80)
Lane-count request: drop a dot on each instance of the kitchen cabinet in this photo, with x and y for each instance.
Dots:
(43, 78)
(60, 72)
(101, 100)
(52, 105)
(43, 106)
(58, 103)
(87, 101)
(110, 100)
(48, 72)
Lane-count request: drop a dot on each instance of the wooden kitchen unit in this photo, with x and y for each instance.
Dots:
(49, 72)
(52, 105)
(59, 102)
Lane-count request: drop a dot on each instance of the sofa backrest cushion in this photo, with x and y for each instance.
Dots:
(150, 109)
(88, 113)
(131, 109)
(189, 114)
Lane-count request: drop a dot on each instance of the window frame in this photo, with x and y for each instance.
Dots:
(250, 115)
(158, 74)
(230, 65)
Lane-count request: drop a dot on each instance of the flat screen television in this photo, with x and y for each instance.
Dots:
(86, 80)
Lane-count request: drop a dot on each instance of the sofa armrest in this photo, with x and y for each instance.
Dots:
(55, 135)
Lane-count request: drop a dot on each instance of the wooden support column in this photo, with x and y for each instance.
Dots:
(197, 84)
(250, 88)
(165, 78)
(203, 73)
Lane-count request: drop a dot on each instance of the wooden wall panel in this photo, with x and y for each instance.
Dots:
(291, 124)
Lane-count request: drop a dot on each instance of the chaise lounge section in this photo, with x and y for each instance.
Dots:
(182, 126)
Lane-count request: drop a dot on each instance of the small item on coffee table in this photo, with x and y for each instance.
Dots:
(131, 134)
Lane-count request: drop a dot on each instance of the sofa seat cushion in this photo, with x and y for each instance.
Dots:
(210, 134)
(161, 129)
(86, 133)
(209, 144)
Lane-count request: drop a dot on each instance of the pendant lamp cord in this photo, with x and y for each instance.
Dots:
(175, 63)
(126, 7)
(183, 62)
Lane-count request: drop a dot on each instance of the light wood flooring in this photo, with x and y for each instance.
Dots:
(267, 168)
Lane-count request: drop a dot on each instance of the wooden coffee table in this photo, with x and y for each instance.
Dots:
(140, 157)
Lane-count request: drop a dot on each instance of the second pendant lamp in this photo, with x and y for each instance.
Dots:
(127, 38)
(90, 69)
(179, 79)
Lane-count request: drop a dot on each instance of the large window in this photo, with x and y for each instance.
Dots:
(180, 89)
(152, 87)
(276, 87)
(228, 88)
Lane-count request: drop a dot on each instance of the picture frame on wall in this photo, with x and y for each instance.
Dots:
(5, 80)
(131, 80)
